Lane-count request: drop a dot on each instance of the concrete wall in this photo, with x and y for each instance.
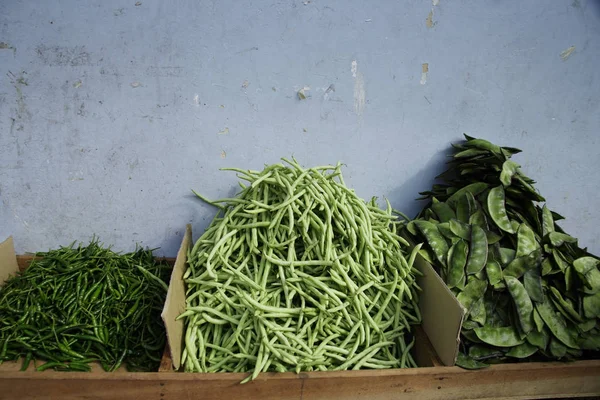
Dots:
(111, 111)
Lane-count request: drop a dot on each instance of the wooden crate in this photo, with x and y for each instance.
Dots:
(518, 381)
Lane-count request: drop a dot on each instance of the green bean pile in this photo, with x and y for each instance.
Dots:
(530, 291)
(73, 306)
(297, 273)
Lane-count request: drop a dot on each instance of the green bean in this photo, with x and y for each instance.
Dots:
(542, 285)
(526, 241)
(496, 207)
(456, 272)
(472, 292)
(548, 222)
(444, 212)
(478, 250)
(556, 324)
(523, 350)
(500, 337)
(74, 311)
(522, 302)
(324, 271)
(436, 241)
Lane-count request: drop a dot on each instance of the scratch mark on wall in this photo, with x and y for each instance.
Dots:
(25, 224)
(330, 89)
(424, 71)
(359, 89)
(254, 48)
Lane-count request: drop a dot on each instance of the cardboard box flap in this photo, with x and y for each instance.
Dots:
(8, 260)
(442, 314)
(175, 301)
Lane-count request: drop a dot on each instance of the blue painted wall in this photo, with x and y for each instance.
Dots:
(111, 111)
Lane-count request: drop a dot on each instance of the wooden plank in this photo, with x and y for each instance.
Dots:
(517, 381)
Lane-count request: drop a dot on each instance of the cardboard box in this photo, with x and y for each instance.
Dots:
(522, 381)
(442, 314)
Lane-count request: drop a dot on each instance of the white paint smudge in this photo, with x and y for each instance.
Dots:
(435, 2)
(197, 100)
(567, 53)
(424, 71)
(359, 89)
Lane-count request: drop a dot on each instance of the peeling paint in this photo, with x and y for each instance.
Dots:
(359, 89)
(429, 21)
(424, 71)
(303, 93)
(225, 131)
(135, 84)
(223, 154)
(567, 53)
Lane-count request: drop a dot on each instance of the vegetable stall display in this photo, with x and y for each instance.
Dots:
(297, 273)
(529, 289)
(77, 305)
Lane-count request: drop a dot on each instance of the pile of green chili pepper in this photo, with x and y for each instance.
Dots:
(77, 305)
(530, 291)
(297, 273)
